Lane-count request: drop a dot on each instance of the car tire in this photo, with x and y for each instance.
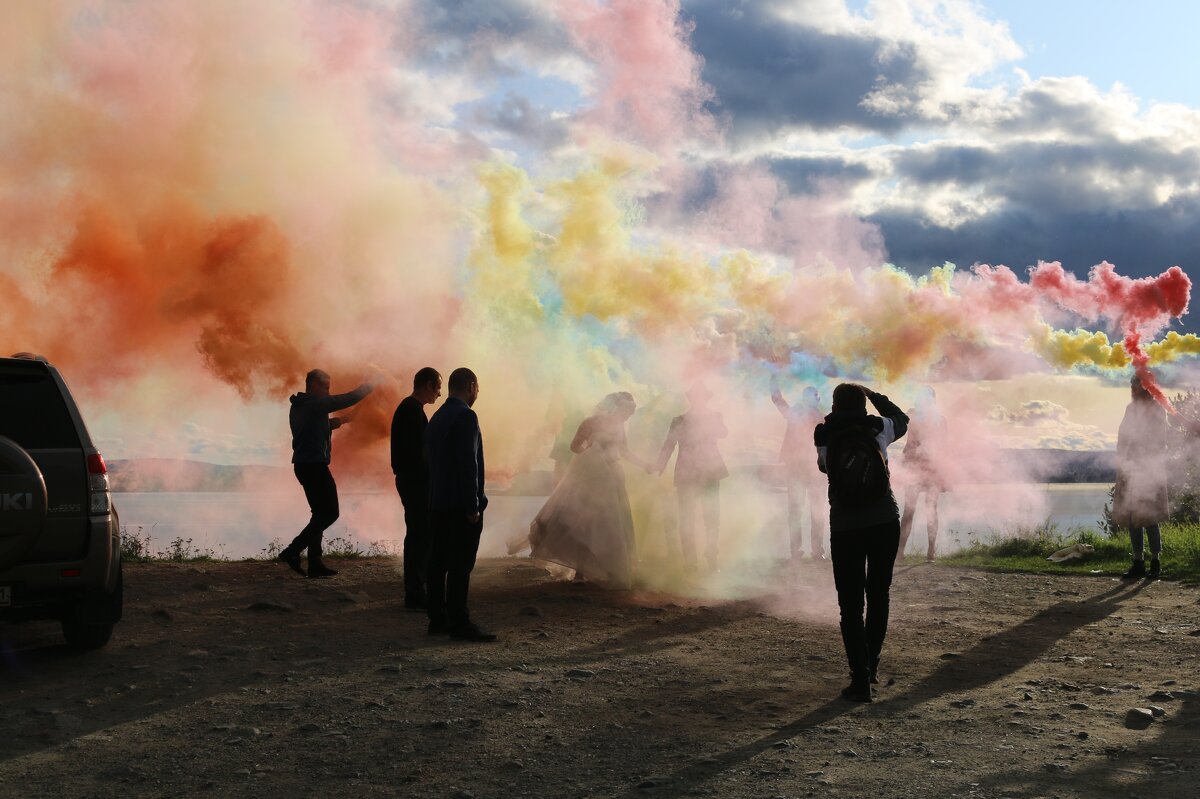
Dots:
(22, 502)
(89, 625)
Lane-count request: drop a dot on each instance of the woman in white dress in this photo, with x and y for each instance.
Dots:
(586, 524)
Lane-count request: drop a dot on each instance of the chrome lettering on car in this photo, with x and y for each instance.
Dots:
(16, 502)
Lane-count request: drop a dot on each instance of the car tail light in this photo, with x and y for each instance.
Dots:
(101, 500)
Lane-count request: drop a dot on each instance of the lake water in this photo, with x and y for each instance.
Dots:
(240, 525)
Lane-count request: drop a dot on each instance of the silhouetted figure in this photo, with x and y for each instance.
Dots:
(864, 522)
(699, 470)
(922, 456)
(312, 442)
(802, 480)
(586, 523)
(411, 468)
(457, 501)
(1140, 500)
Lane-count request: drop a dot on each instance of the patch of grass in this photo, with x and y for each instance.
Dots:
(1027, 550)
(341, 547)
(137, 547)
(338, 547)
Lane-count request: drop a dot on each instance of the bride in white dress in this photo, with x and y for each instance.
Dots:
(586, 524)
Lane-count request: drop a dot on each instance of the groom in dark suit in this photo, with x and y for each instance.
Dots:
(456, 503)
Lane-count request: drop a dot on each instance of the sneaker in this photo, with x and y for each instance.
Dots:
(320, 570)
(471, 632)
(1136, 572)
(292, 559)
(439, 627)
(1155, 570)
(859, 690)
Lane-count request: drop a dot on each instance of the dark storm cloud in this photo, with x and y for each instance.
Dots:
(471, 32)
(1075, 203)
(1048, 172)
(812, 174)
(518, 117)
(1055, 105)
(1139, 242)
(770, 75)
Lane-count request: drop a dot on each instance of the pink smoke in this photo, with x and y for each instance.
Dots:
(1138, 306)
(752, 208)
(649, 77)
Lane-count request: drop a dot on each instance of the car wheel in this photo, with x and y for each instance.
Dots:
(89, 624)
(22, 502)
(86, 635)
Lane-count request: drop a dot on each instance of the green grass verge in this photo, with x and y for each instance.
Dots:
(1027, 550)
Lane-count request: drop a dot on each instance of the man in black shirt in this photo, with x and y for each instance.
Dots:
(411, 467)
(456, 503)
(312, 431)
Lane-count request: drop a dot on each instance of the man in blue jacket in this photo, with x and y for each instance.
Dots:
(312, 443)
(864, 522)
(454, 446)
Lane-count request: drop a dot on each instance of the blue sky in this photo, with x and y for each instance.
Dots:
(1150, 47)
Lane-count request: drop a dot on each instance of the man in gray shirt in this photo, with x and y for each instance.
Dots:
(312, 441)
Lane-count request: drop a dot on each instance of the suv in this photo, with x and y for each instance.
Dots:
(60, 544)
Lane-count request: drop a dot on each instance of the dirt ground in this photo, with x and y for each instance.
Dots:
(240, 679)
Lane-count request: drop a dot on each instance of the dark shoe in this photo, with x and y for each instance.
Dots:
(416, 603)
(439, 627)
(873, 671)
(1136, 572)
(471, 632)
(292, 559)
(320, 570)
(859, 690)
(1155, 570)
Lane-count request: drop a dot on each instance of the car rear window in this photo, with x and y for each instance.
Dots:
(32, 411)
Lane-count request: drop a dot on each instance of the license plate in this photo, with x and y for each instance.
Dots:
(5, 595)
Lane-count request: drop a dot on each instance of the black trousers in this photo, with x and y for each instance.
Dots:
(454, 543)
(321, 492)
(862, 566)
(415, 500)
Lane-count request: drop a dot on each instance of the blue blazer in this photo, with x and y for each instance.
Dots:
(455, 450)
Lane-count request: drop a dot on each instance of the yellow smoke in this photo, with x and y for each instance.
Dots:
(1070, 348)
(1172, 347)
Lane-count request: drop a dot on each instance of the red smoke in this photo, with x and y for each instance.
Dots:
(1138, 306)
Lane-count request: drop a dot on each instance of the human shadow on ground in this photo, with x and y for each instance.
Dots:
(1160, 766)
(991, 659)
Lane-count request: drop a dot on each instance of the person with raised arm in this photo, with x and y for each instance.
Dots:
(312, 445)
(1140, 501)
(699, 470)
(802, 480)
(864, 522)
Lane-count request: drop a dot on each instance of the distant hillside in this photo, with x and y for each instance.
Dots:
(158, 474)
(1065, 466)
(161, 474)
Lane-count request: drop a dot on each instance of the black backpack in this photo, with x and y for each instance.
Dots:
(855, 464)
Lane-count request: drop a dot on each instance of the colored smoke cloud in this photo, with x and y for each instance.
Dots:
(230, 193)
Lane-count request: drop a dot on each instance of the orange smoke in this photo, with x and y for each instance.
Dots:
(163, 282)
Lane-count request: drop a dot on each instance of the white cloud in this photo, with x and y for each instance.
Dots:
(1043, 424)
